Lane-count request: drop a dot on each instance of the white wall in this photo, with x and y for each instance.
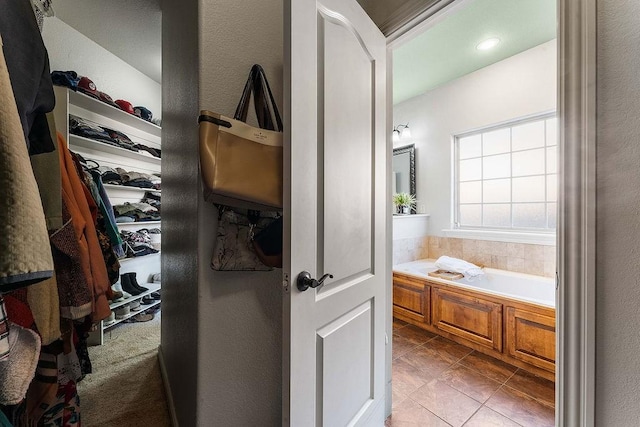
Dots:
(71, 50)
(518, 86)
(618, 220)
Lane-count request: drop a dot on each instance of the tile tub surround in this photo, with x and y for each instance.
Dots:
(539, 260)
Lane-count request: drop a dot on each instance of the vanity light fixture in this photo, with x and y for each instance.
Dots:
(401, 131)
(488, 43)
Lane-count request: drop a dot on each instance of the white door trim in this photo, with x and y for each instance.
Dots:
(576, 303)
(576, 238)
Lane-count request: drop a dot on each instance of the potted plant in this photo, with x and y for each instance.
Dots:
(404, 202)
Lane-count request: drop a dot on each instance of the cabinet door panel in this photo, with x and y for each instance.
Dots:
(531, 337)
(472, 318)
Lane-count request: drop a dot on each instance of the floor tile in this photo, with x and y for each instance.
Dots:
(428, 360)
(397, 323)
(485, 417)
(397, 398)
(401, 346)
(446, 402)
(535, 386)
(493, 368)
(415, 334)
(406, 378)
(471, 383)
(521, 408)
(409, 413)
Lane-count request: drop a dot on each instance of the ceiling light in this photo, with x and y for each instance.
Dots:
(488, 43)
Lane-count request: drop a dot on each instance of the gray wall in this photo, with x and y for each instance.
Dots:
(181, 202)
(221, 331)
(618, 214)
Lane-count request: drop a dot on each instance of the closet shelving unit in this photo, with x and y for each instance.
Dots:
(140, 131)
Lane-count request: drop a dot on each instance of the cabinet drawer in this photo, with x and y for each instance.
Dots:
(475, 319)
(531, 337)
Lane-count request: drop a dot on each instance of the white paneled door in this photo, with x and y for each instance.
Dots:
(335, 216)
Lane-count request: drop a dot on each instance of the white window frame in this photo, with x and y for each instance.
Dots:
(509, 234)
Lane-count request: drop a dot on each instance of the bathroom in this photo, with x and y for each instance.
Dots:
(475, 141)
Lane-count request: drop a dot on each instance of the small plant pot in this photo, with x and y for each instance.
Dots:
(405, 210)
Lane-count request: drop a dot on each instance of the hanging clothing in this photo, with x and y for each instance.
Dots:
(74, 196)
(25, 255)
(28, 66)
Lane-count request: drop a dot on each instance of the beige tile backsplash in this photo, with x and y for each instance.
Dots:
(519, 257)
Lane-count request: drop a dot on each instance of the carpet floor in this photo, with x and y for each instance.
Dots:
(125, 388)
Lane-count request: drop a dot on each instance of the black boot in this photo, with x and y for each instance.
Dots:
(127, 286)
(134, 282)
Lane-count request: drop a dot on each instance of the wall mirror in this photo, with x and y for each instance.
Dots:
(404, 169)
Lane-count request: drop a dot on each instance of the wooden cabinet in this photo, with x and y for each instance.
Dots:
(531, 337)
(475, 319)
(411, 299)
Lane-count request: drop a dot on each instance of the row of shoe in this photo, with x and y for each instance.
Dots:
(126, 289)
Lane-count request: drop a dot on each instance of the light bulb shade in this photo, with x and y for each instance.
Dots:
(406, 132)
(396, 135)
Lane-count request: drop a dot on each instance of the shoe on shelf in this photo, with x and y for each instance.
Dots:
(147, 299)
(155, 295)
(123, 311)
(116, 296)
(135, 305)
(127, 286)
(126, 295)
(134, 282)
(155, 278)
(109, 320)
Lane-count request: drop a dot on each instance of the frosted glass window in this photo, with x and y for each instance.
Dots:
(529, 215)
(496, 142)
(530, 162)
(552, 214)
(529, 135)
(552, 188)
(552, 159)
(471, 192)
(552, 131)
(506, 176)
(496, 215)
(470, 146)
(496, 166)
(471, 215)
(470, 170)
(496, 191)
(529, 189)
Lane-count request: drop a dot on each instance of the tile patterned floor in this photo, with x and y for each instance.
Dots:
(437, 382)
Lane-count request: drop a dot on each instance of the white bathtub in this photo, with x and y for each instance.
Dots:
(525, 287)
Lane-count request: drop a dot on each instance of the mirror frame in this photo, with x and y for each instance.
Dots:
(411, 149)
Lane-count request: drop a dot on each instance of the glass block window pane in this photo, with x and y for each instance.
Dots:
(507, 176)
(470, 170)
(552, 214)
(496, 166)
(552, 131)
(529, 215)
(470, 146)
(529, 189)
(471, 192)
(471, 215)
(529, 135)
(496, 191)
(496, 142)
(530, 162)
(552, 188)
(496, 215)
(552, 159)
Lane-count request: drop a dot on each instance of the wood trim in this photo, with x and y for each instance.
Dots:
(575, 361)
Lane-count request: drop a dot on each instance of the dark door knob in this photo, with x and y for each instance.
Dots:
(305, 281)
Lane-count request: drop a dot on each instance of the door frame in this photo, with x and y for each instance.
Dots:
(576, 232)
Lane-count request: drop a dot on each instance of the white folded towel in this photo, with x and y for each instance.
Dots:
(459, 266)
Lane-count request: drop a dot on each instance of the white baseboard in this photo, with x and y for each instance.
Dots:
(167, 389)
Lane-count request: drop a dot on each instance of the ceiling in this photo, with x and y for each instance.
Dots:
(131, 30)
(447, 50)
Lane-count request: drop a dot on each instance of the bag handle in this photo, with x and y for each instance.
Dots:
(258, 84)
